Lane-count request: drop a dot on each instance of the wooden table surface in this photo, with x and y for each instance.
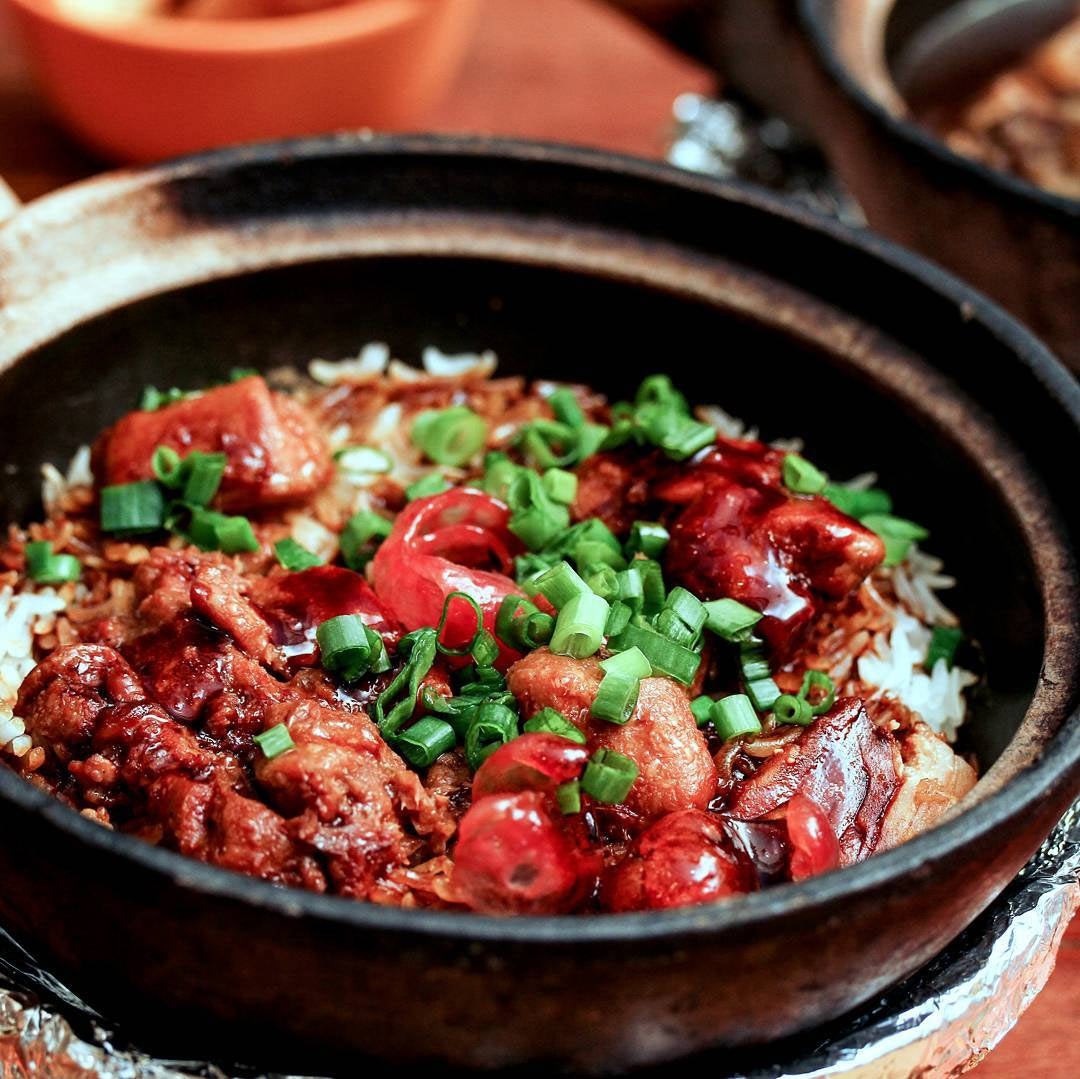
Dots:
(574, 71)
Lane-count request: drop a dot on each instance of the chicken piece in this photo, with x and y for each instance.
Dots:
(933, 780)
(217, 593)
(273, 452)
(661, 738)
(775, 553)
(845, 764)
(348, 795)
(613, 487)
(216, 824)
(62, 698)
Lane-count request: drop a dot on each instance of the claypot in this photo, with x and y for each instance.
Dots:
(832, 66)
(569, 264)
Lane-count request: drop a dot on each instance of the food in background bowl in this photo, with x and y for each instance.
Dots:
(1026, 119)
(439, 639)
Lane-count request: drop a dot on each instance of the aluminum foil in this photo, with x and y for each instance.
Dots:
(938, 1023)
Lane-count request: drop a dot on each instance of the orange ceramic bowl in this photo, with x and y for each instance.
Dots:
(158, 86)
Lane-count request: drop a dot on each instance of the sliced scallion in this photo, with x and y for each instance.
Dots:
(579, 629)
(943, 645)
(425, 741)
(702, 709)
(450, 436)
(275, 741)
(790, 709)
(431, 484)
(734, 717)
(648, 537)
(47, 567)
(730, 619)
(608, 777)
(294, 556)
(344, 646)
(801, 476)
(617, 695)
(559, 585)
(549, 721)
(132, 508)
(568, 797)
(560, 485)
(363, 459)
(818, 680)
(664, 655)
(358, 538)
(491, 726)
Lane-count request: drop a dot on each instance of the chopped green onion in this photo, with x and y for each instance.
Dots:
(676, 433)
(527, 567)
(659, 390)
(618, 619)
(589, 552)
(688, 607)
(856, 503)
(238, 373)
(400, 695)
(217, 532)
(608, 777)
(294, 556)
(356, 536)
(702, 709)
(46, 567)
(499, 472)
(560, 485)
(559, 585)
(802, 477)
(525, 631)
(450, 436)
(897, 533)
(152, 398)
(648, 537)
(485, 649)
(632, 588)
(425, 741)
(568, 797)
(167, 466)
(652, 585)
(275, 741)
(763, 692)
(479, 614)
(730, 619)
(366, 459)
(943, 645)
(431, 484)
(617, 695)
(589, 439)
(669, 624)
(345, 646)
(733, 717)
(757, 675)
(579, 629)
(789, 709)
(564, 404)
(549, 721)
(664, 655)
(548, 443)
(491, 726)
(604, 582)
(818, 680)
(131, 508)
(204, 472)
(535, 519)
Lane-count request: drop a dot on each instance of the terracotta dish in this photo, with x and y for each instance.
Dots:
(570, 265)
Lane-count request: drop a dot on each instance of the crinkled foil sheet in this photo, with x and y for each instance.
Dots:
(940, 1022)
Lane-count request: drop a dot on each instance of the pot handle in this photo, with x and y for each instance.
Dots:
(9, 202)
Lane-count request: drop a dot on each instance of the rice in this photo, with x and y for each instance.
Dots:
(24, 614)
(889, 657)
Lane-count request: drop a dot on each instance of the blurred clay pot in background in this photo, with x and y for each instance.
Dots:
(155, 86)
(830, 66)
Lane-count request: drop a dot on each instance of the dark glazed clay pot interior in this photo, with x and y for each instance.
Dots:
(859, 64)
(577, 266)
